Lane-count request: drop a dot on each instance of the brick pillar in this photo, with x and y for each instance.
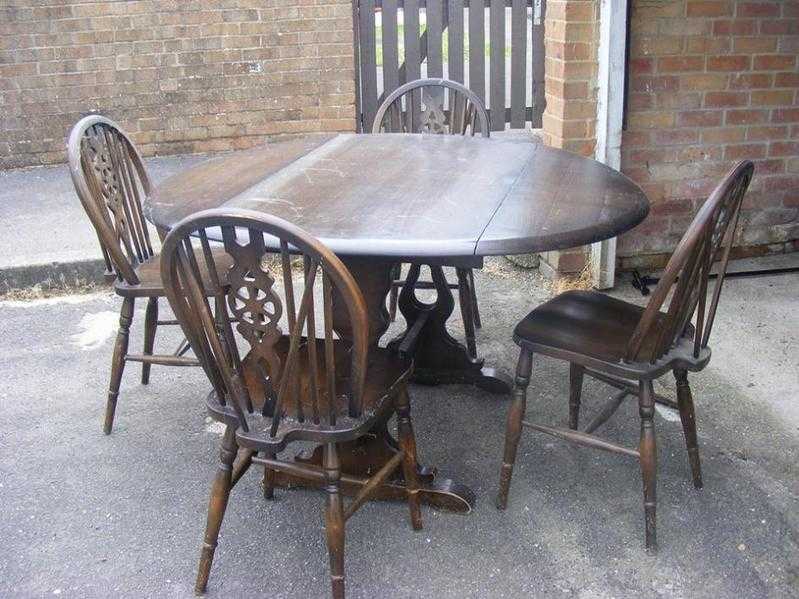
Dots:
(569, 122)
(712, 82)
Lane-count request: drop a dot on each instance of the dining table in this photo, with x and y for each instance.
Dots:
(426, 200)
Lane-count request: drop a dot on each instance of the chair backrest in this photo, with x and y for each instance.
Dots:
(110, 180)
(258, 292)
(708, 238)
(432, 106)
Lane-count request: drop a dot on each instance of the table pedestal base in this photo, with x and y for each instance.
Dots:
(487, 379)
(362, 458)
(438, 357)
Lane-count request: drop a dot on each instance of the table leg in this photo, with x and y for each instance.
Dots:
(438, 357)
(365, 456)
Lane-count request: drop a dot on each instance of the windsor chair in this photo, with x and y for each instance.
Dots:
(110, 180)
(437, 106)
(320, 381)
(628, 346)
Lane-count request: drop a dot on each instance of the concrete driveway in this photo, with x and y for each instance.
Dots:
(84, 515)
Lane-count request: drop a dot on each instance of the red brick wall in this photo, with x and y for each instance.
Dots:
(713, 81)
(180, 76)
(569, 121)
(571, 37)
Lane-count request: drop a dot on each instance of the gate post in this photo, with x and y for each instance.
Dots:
(610, 112)
(356, 62)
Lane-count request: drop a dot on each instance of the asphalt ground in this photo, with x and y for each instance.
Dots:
(85, 515)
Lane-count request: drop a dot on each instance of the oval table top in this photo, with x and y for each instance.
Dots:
(415, 196)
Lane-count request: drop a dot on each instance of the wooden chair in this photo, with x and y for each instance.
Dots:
(628, 347)
(438, 106)
(110, 180)
(286, 387)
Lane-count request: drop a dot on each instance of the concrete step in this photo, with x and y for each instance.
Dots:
(49, 240)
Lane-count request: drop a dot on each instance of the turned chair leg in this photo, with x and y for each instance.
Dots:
(648, 452)
(473, 296)
(118, 362)
(150, 325)
(334, 519)
(220, 492)
(514, 426)
(407, 442)
(268, 482)
(575, 389)
(685, 402)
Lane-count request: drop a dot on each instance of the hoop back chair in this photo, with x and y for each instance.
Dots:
(437, 106)
(110, 180)
(432, 106)
(319, 381)
(628, 346)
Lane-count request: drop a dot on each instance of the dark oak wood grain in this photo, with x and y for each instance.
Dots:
(561, 200)
(286, 382)
(212, 183)
(433, 199)
(628, 346)
(447, 108)
(411, 196)
(111, 181)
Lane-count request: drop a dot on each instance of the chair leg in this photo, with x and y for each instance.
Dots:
(475, 310)
(648, 452)
(334, 519)
(150, 325)
(685, 402)
(268, 483)
(575, 389)
(407, 442)
(396, 274)
(514, 426)
(220, 492)
(467, 313)
(118, 362)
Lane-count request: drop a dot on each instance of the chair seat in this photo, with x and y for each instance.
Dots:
(385, 371)
(584, 323)
(149, 273)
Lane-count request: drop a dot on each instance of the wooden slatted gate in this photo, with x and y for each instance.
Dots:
(401, 40)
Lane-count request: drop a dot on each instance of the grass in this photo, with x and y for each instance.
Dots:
(581, 281)
(46, 291)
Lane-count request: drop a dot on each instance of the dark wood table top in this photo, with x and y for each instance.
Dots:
(415, 196)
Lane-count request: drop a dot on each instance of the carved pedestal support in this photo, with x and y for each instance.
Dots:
(362, 458)
(438, 358)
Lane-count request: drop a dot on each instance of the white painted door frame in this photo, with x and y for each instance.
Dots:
(610, 111)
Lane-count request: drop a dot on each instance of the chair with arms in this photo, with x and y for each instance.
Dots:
(628, 347)
(302, 385)
(437, 106)
(110, 180)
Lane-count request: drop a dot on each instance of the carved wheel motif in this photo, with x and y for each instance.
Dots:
(253, 301)
(433, 119)
(106, 176)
